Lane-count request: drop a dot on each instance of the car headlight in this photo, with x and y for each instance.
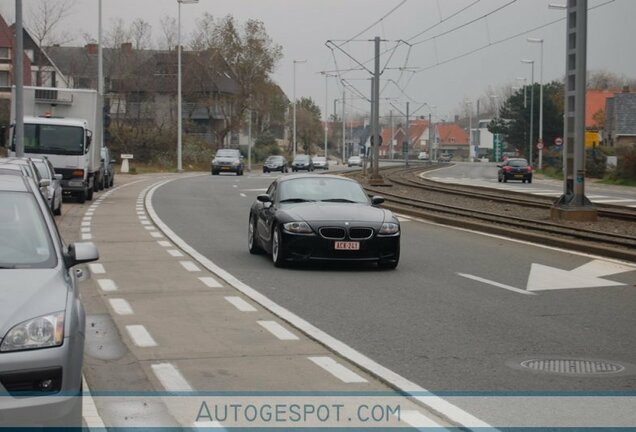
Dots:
(41, 332)
(214, 162)
(298, 227)
(236, 163)
(389, 228)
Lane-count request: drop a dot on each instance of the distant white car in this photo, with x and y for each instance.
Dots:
(354, 161)
(320, 162)
(422, 156)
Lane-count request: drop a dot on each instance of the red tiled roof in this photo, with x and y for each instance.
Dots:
(595, 102)
(452, 134)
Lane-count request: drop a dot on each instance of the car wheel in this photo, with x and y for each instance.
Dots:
(278, 251)
(81, 197)
(252, 240)
(106, 183)
(530, 179)
(499, 179)
(112, 180)
(58, 210)
(214, 172)
(505, 179)
(89, 195)
(523, 180)
(239, 173)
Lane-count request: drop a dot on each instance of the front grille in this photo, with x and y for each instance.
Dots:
(332, 233)
(360, 233)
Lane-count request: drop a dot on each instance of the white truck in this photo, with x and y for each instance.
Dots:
(65, 125)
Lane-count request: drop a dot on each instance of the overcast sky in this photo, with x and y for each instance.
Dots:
(302, 27)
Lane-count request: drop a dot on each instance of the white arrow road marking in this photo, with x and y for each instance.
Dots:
(600, 268)
(544, 278)
(496, 284)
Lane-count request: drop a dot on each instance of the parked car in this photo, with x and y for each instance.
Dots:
(321, 162)
(445, 157)
(109, 167)
(423, 156)
(514, 169)
(354, 161)
(228, 160)
(42, 319)
(302, 163)
(30, 170)
(275, 163)
(322, 218)
(54, 189)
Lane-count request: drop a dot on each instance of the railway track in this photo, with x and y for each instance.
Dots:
(591, 240)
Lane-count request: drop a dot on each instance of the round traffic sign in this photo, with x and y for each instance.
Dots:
(540, 145)
(558, 141)
(373, 140)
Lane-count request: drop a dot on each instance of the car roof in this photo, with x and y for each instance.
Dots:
(312, 176)
(516, 159)
(12, 183)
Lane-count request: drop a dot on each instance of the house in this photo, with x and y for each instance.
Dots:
(418, 134)
(7, 52)
(620, 122)
(451, 138)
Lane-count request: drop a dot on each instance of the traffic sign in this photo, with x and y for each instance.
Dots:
(558, 141)
(540, 145)
(373, 140)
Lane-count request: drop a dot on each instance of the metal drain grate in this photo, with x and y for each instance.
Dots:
(574, 367)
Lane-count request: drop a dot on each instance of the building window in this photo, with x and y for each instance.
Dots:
(29, 54)
(4, 79)
(5, 53)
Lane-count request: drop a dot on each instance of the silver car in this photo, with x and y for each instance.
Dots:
(54, 189)
(42, 321)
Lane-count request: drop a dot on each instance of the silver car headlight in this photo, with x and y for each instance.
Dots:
(41, 332)
(236, 163)
(389, 228)
(214, 162)
(298, 227)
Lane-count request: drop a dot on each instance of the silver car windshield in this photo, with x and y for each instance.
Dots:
(322, 189)
(24, 237)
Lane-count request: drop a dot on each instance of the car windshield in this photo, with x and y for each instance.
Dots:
(272, 159)
(518, 163)
(322, 189)
(24, 238)
(227, 153)
(53, 139)
(301, 159)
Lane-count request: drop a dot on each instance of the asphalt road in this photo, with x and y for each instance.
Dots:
(425, 321)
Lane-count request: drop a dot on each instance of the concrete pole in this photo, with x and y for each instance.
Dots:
(471, 149)
(541, 110)
(376, 110)
(392, 133)
(408, 136)
(100, 73)
(18, 68)
(179, 96)
(294, 121)
(249, 141)
(326, 116)
(430, 137)
(531, 116)
(344, 126)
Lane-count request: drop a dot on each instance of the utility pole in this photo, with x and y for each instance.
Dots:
(407, 137)
(249, 142)
(573, 204)
(344, 126)
(430, 137)
(19, 81)
(375, 176)
(392, 134)
(326, 110)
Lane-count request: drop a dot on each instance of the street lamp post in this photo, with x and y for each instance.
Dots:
(179, 95)
(294, 102)
(540, 41)
(525, 93)
(531, 63)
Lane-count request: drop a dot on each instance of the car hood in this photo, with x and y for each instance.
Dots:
(225, 159)
(315, 212)
(30, 293)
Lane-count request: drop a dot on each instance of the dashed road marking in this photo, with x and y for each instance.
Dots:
(156, 234)
(164, 243)
(496, 284)
(96, 268)
(86, 224)
(241, 304)
(210, 282)
(170, 377)
(121, 306)
(243, 195)
(150, 228)
(175, 253)
(89, 410)
(336, 369)
(189, 266)
(86, 229)
(140, 336)
(107, 285)
(87, 236)
(278, 330)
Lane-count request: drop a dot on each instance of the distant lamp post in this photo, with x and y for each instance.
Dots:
(531, 63)
(540, 41)
(294, 97)
(525, 93)
(179, 96)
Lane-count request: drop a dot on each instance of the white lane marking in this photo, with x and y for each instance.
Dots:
(243, 195)
(164, 243)
(632, 206)
(86, 224)
(547, 193)
(438, 404)
(597, 196)
(170, 377)
(234, 186)
(156, 234)
(418, 420)
(121, 306)
(143, 217)
(150, 228)
(87, 219)
(145, 222)
(87, 236)
(140, 336)
(403, 219)
(85, 229)
(89, 410)
(496, 284)
(240, 304)
(254, 190)
(336, 369)
(175, 253)
(107, 285)
(210, 282)
(189, 266)
(278, 330)
(96, 268)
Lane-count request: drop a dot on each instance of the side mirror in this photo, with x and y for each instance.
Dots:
(499, 166)
(113, 161)
(264, 198)
(45, 183)
(89, 139)
(377, 200)
(59, 177)
(78, 253)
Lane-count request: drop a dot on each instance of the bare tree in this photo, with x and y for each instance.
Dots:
(141, 34)
(117, 34)
(169, 31)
